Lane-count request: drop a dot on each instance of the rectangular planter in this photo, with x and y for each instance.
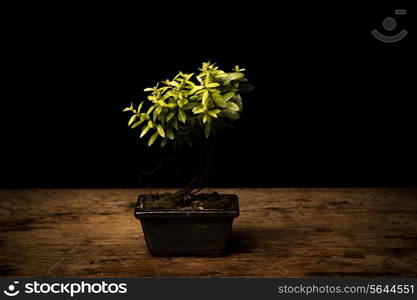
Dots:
(181, 232)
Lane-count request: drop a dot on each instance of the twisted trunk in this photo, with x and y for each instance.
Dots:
(200, 179)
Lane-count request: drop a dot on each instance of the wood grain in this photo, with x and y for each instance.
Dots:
(280, 233)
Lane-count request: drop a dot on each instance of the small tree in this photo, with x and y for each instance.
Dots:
(192, 109)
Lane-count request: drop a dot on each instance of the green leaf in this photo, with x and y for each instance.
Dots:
(238, 100)
(206, 118)
(198, 109)
(144, 131)
(153, 98)
(231, 114)
(130, 108)
(235, 76)
(205, 97)
(140, 107)
(174, 83)
(212, 85)
(132, 119)
(144, 116)
(218, 99)
(180, 103)
(170, 134)
(190, 105)
(163, 143)
(222, 76)
(178, 75)
(158, 110)
(237, 69)
(188, 76)
(160, 130)
(163, 89)
(153, 138)
(150, 109)
(181, 116)
(137, 123)
(214, 112)
(194, 89)
(232, 106)
(228, 96)
(170, 115)
(150, 124)
(148, 89)
(207, 79)
(175, 123)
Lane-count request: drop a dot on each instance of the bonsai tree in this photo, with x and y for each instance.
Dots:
(192, 109)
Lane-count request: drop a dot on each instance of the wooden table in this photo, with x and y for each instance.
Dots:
(280, 233)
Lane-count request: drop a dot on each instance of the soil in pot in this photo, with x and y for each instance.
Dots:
(178, 201)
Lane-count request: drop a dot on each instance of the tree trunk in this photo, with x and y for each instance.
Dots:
(201, 177)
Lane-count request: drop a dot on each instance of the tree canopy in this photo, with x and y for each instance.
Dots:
(190, 105)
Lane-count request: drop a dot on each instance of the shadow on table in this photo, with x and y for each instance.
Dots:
(258, 241)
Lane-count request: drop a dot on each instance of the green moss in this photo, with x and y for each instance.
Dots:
(181, 201)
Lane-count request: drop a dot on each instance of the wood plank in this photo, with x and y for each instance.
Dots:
(280, 233)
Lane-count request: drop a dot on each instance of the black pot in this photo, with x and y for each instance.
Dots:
(181, 233)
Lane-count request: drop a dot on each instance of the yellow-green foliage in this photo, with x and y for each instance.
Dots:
(178, 109)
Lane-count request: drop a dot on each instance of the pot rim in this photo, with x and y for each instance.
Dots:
(212, 213)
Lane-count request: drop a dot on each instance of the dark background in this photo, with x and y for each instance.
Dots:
(332, 106)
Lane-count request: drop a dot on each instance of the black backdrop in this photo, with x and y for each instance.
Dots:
(332, 106)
